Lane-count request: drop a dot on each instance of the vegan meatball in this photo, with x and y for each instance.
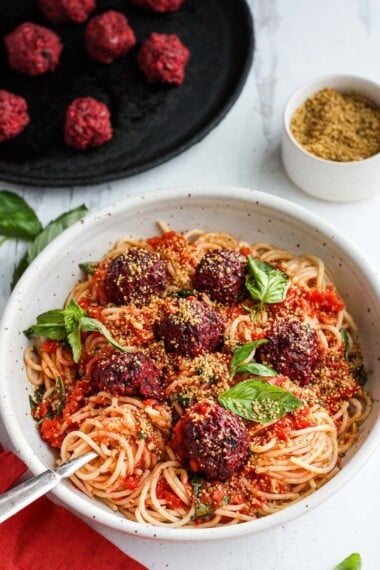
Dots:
(134, 276)
(211, 440)
(163, 59)
(14, 115)
(88, 124)
(109, 36)
(191, 328)
(221, 274)
(127, 374)
(62, 11)
(292, 350)
(159, 5)
(33, 49)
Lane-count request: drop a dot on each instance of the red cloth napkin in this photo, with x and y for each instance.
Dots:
(45, 536)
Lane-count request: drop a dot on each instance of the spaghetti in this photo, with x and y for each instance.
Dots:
(137, 409)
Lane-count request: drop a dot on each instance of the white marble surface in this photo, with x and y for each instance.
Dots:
(296, 41)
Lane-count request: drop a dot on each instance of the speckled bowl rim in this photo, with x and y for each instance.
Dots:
(78, 502)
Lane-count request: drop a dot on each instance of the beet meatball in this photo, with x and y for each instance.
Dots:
(159, 5)
(14, 115)
(191, 328)
(127, 374)
(33, 49)
(292, 350)
(62, 11)
(221, 274)
(88, 124)
(211, 440)
(163, 59)
(109, 36)
(134, 276)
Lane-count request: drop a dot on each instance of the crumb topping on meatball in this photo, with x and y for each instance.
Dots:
(127, 374)
(211, 440)
(191, 327)
(134, 276)
(221, 274)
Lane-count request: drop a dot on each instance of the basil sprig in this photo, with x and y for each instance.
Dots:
(52, 230)
(265, 283)
(66, 325)
(259, 401)
(352, 562)
(241, 364)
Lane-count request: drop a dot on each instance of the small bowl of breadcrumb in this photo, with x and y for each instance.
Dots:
(331, 138)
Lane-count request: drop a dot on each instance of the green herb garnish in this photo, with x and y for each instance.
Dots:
(259, 401)
(241, 363)
(61, 392)
(17, 218)
(201, 509)
(265, 283)
(88, 267)
(352, 562)
(66, 325)
(183, 293)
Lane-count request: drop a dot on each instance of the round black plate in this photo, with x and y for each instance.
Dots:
(151, 123)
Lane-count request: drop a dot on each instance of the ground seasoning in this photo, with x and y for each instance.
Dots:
(338, 126)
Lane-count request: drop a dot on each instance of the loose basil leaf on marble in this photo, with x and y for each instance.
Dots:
(352, 562)
(17, 218)
(243, 352)
(52, 230)
(265, 283)
(67, 324)
(259, 401)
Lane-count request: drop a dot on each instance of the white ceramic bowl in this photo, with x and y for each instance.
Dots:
(326, 179)
(247, 214)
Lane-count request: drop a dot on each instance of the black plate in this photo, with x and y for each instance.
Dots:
(151, 123)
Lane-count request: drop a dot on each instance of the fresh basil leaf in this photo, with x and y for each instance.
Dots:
(72, 315)
(352, 562)
(75, 341)
(49, 325)
(67, 324)
(259, 401)
(243, 352)
(88, 267)
(256, 369)
(87, 324)
(17, 218)
(52, 230)
(266, 284)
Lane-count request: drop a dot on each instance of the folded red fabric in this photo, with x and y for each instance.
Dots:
(45, 536)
